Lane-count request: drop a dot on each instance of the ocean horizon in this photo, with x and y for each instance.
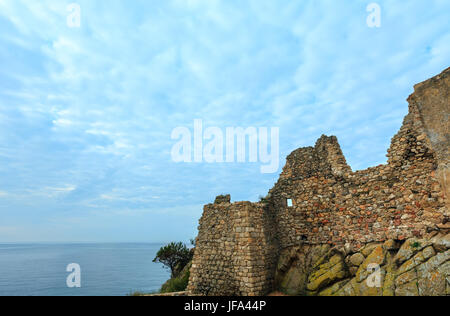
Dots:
(107, 269)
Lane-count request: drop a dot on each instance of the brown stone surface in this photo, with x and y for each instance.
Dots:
(236, 252)
(432, 100)
(369, 212)
(425, 273)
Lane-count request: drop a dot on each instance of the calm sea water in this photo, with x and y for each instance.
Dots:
(106, 269)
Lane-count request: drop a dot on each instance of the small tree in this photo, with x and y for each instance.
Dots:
(174, 256)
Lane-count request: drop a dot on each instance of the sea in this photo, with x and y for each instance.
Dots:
(99, 269)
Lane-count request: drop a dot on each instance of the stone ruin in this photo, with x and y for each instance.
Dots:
(322, 224)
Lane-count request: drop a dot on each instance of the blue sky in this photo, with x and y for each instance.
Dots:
(86, 114)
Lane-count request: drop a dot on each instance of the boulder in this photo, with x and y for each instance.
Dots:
(409, 289)
(327, 273)
(367, 250)
(376, 258)
(441, 242)
(409, 249)
(357, 259)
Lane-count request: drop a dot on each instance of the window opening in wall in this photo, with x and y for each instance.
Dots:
(289, 203)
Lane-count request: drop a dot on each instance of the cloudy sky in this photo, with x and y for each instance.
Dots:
(86, 113)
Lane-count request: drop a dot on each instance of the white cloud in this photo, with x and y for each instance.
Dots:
(94, 107)
(3, 194)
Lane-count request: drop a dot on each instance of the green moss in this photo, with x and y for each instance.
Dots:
(415, 244)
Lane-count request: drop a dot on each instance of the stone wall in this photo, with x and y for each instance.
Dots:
(431, 98)
(331, 204)
(236, 250)
(239, 244)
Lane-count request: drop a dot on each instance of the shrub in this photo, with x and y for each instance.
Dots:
(177, 284)
(174, 256)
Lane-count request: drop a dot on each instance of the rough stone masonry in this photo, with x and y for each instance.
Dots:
(322, 225)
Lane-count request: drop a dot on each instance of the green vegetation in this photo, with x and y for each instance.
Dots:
(177, 257)
(177, 284)
(415, 244)
(174, 256)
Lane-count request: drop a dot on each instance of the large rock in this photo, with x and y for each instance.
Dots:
(293, 281)
(376, 258)
(357, 259)
(327, 273)
(367, 250)
(432, 275)
(409, 289)
(294, 266)
(441, 242)
(409, 249)
(425, 272)
(351, 288)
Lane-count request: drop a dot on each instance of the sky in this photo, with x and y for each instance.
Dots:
(87, 113)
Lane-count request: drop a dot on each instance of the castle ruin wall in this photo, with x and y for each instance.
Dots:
(239, 243)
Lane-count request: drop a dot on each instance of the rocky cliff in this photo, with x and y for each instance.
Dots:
(394, 268)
